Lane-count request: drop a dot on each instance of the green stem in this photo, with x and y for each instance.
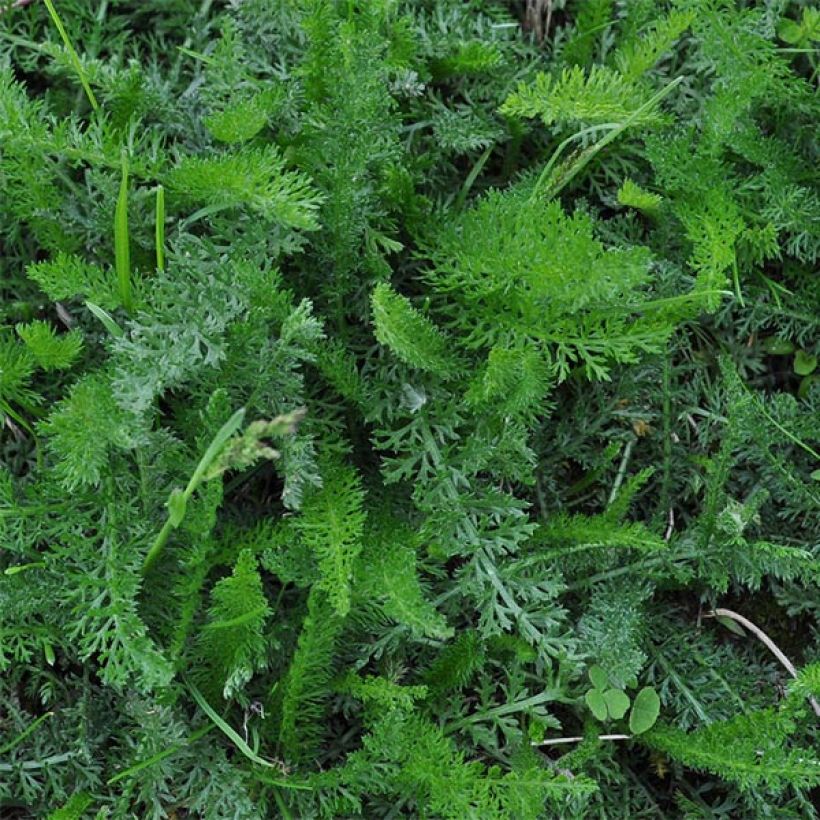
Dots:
(122, 247)
(159, 228)
(199, 475)
(586, 156)
(75, 60)
(157, 546)
(25, 733)
(165, 753)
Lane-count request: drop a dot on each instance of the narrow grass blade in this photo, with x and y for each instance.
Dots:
(25, 733)
(461, 199)
(78, 66)
(122, 249)
(240, 743)
(159, 228)
(559, 180)
(215, 448)
(180, 500)
(150, 761)
(105, 317)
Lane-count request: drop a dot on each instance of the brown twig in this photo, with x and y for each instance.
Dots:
(767, 641)
(537, 18)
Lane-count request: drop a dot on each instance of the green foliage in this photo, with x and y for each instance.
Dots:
(386, 573)
(306, 686)
(232, 642)
(591, 20)
(512, 267)
(761, 754)
(577, 98)
(84, 431)
(74, 808)
(50, 351)
(410, 335)
(331, 524)
(67, 277)
(253, 178)
(389, 395)
(639, 53)
(633, 196)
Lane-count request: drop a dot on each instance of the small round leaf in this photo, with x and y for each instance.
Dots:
(599, 678)
(597, 704)
(617, 702)
(806, 384)
(777, 347)
(804, 363)
(645, 710)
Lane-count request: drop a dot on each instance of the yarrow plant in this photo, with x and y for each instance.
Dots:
(409, 409)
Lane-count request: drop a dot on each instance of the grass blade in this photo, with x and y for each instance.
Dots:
(105, 317)
(150, 761)
(159, 228)
(78, 66)
(214, 449)
(240, 743)
(25, 733)
(122, 249)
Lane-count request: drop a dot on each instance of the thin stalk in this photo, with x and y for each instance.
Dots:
(180, 499)
(75, 60)
(157, 546)
(122, 247)
(501, 711)
(619, 479)
(165, 753)
(159, 228)
(243, 747)
(614, 129)
(25, 733)
(636, 566)
(665, 506)
(559, 741)
(544, 175)
(471, 177)
(799, 442)
(767, 642)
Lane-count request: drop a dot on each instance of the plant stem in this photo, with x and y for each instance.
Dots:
(159, 228)
(767, 641)
(75, 60)
(558, 741)
(619, 479)
(122, 247)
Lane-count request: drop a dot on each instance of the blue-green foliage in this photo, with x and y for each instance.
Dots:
(477, 360)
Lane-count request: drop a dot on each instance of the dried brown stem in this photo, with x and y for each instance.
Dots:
(768, 642)
(537, 18)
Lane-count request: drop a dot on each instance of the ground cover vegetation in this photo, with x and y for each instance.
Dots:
(409, 409)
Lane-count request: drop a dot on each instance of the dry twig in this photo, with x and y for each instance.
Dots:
(767, 641)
